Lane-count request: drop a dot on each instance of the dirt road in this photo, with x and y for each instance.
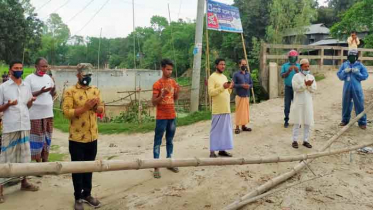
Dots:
(347, 181)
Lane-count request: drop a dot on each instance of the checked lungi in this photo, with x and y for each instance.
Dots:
(41, 138)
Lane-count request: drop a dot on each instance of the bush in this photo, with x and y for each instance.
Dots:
(260, 93)
(132, 114)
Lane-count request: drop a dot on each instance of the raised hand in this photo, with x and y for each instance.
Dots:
(12, 103)
(227, 85)
(246, 86)
(89, 104)
(44, 89)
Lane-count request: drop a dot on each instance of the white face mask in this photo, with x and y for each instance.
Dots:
(306, 72)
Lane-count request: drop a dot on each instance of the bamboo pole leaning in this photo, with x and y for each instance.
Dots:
(57, 168)
(297, 168)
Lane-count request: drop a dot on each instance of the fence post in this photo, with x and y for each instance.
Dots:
(322, 59)
(263, 66)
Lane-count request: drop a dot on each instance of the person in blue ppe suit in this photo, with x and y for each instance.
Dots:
(352, 72)
(288, 70)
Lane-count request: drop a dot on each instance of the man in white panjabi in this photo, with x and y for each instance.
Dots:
(301, 115)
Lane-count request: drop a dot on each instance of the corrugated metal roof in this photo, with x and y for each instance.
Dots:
(319, 28)
(328, 42)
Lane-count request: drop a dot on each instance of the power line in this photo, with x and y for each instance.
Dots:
(55, 11)
(149, 7)
(43, 5)
(178, 14)
(61, 6)
(85, 7)
(92, 17)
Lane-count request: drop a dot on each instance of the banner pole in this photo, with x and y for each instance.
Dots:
(208, 72)
(244, 51)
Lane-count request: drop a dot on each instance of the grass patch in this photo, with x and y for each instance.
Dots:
(55, 157)
(54, 147)
(319, 77)
(26, 70)
(111, 157)
(184, 81)
(62, 123)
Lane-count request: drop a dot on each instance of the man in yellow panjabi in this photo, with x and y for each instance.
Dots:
(81, 103)
(221, 134)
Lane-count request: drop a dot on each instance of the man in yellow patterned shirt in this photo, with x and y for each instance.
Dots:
(81, 102)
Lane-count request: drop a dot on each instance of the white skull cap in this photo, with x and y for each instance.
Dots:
(304, 61)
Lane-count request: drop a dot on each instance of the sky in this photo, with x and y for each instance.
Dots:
(115, 17)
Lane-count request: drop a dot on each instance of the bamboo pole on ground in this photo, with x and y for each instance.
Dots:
(244, 51)
(57, 168)
(251, 200)
(283, 177)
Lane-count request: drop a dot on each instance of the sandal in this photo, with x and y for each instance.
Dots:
(246, 129)
(213, 155)
(306, 144)
(157, 174)
(363, 127)
(342, 124)
(174, 169)
(30, 187)
(295, 144)
(225, 154)
(237, 131)
(2, 200)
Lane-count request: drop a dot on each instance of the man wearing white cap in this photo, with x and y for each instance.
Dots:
(304, 85)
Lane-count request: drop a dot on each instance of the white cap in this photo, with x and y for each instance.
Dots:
(304, 61)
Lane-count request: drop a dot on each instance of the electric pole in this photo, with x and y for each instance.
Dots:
(194, 99)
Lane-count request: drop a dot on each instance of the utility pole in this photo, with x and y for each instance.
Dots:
(134, 33)
(194, 99)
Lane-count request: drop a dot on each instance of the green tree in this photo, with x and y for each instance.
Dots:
(325, 15)
(287, 16)
(254, 17)
(20, 32)
(358, 18)
(158, 23)
(55, 37)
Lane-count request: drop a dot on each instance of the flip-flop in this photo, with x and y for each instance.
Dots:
(174, 169)
(295, 145)
(157, 174)
(2, 200)
(237, 131)
(246, 129)
(306, 144)
(30, 187)
(342, 124)
(225, 154)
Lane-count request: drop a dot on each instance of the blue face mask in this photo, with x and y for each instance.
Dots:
(17, 74)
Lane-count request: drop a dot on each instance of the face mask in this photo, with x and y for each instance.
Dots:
(243, 68)
(40, 73)
(17, 74)
(293, 59)
(306, 72)
(352, 58)
(85, 80)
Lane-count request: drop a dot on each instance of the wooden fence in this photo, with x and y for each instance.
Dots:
(322, 58)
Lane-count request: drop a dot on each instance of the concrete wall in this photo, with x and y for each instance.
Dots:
(273, 80)
(111, 81)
